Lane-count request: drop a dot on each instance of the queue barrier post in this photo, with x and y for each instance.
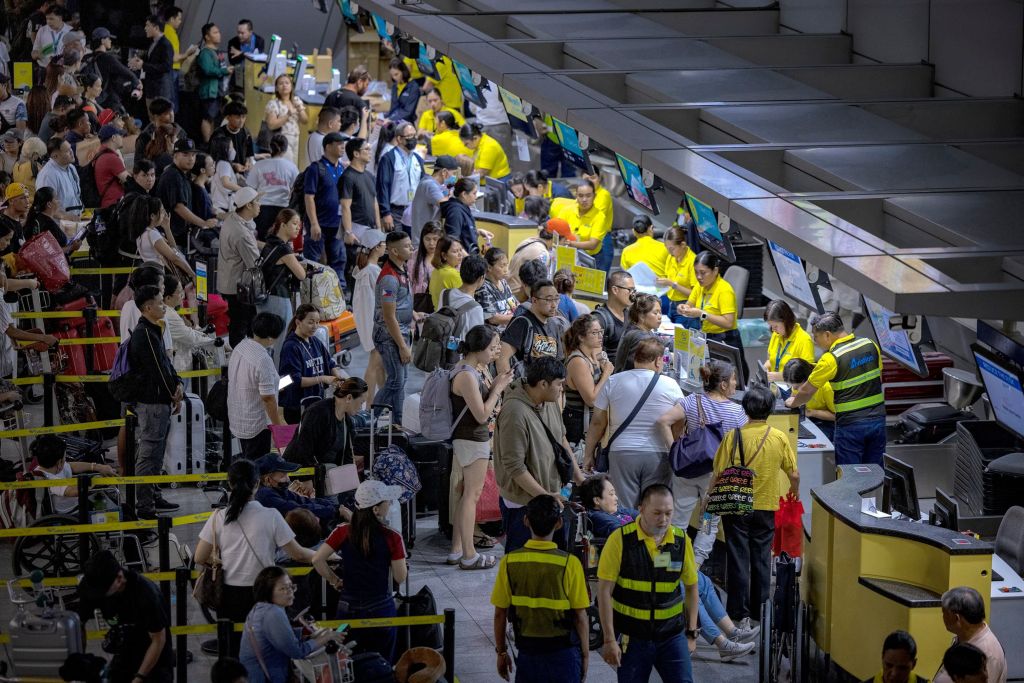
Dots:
(449, 643)
(181, 579)
(163, 530)
(90, 331)
(224, 630)
(84, 517)
(130, 425)
(49, 380)
(320, 479)
(225, 460)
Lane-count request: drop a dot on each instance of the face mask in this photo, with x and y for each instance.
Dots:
(410, 144)
(449, 181)
(282, 485)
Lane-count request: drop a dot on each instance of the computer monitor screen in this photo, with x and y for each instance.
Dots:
(708, 232)
(380, 24)
(894, 343)
(497, 198)
(793, 277)
(350, 17)
(903, 489)
(633, 179)
(470, 90)
(729, 354)
(572, 150)
(945, 511)
(1003, 384)
(519, 117)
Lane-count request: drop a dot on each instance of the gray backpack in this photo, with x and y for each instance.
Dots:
(436, 421)
(437, 346)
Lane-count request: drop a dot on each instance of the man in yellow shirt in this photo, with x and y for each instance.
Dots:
(173, 16)
(645, 567)
(427, 125)
(587, 222)
(854, 367)
(646, 249)
(542, 592)
(821, 408)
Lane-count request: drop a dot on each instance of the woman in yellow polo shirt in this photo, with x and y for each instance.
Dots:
(446, 139)
(645, 249)
(427, 125)
(448, 255)
(489, 159)
(788, 339)
(587, 223)
(679, 277)
(713, 301)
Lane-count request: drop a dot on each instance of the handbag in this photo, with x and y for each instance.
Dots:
(789, 529)
(733, 490)
(603, 452)
(693, 455)
(487, 508)
(209, 588)
(563, 459)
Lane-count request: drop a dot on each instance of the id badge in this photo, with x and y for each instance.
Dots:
(662, 560)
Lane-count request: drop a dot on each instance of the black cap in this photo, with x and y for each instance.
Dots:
(272, 462)
(185, 146)
(100, 572)
(333, 139)
(447, 162)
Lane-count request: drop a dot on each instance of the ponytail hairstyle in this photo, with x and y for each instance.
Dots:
(478, 338)
(642, 224)
(709, 260)
(470, 131)
(243, 477)
(536, 178)
(301, 312)
(463, 185)
(715, 373)
(43, 196)
(641, 305)
(351, 386)
(447, 118)
(565, 281)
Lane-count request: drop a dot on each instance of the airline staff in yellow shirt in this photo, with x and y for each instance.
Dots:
(679, 277)
(489, 159)
(788, 339)
(585, 219)
(821, 408)
(427, 125)
(604, 204)
(448, 84)
(535, 184)
(713, 301)
(645, 249)
(446, 140)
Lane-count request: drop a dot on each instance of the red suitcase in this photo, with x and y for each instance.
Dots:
(102, 354)
(72, 357)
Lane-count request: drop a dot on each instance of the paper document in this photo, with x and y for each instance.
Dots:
(645, 279)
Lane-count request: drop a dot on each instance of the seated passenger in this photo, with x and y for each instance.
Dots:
(597, 494)
(49, 450)
(325, 433)
(899, 657)
(278, 491)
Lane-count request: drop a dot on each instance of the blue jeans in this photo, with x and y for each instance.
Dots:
(392, 393)
(827, 427)
(607, 253)
(670, 657)
(861, 442)
(516, 533)
(710, 609)
(379, 640)
(560, 665)
(668, 307)
(335, 249)
(154, 422)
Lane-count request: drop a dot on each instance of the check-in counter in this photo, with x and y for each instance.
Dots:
(256, 102)
(865, 576)
(509, 231)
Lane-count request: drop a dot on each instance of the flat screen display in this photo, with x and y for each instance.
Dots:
(518, 116)
(1004, 388)
(470, 90)
(633, 179)
(382, 27)
(708, 232)
(349, 15)
(427, 66)
(894, 343)
(572, 150)
(793, 277)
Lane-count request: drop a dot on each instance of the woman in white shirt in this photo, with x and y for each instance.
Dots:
(273, 179)
(637, 456)
(225, 181)
(248, 536)
(184, 337)
(149, 230)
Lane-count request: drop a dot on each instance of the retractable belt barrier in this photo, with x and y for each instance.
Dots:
(132, 481)
(81, 314)
(71, 379)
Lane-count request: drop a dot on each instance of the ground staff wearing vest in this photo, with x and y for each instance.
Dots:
(644, 567)
(542, 592)
(853, 366)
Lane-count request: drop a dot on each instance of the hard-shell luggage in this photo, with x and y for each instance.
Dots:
(217, 314)
(72, 357)
(339, 334)
(324, 291)
(386, 464)
(186, 440)
(40, 642)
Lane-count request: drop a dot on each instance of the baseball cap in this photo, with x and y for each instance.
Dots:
(447, 162)
(333, 138)
(272, 462)
(101, 33)
(185, 146)
(106, 116)
(108, 131)
(10, 136)
(371, 238)
(560, 227)
(371, 492)
(243, 197)
(15, 190)
(100, 572)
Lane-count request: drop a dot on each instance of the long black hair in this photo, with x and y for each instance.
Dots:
(243, 476)
(365, 525)
(43, 196)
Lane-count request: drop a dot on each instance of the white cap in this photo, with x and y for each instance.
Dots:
(371, 238)
(371, 492)
(243, 197)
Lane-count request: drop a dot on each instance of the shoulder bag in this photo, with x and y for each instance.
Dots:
(209, 588)
(602, 454)
(693, 455)
(733, 490)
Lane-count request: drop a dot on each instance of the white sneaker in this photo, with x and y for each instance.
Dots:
(745, 635)
(731, 650)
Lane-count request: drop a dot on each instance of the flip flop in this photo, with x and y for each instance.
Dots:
(481, 561)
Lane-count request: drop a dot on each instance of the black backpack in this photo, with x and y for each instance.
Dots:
(297, 198)
(106, 231)
(92, 195)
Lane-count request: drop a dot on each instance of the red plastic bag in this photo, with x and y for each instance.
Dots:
(789, 527)
(44, 257)
(487, 509)
(282, 435)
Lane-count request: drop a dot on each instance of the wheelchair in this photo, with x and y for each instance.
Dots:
(785, 628)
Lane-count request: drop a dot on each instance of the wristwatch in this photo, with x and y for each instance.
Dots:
(703, 315)
(691, 633)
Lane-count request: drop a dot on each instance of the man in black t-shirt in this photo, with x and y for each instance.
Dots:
(535, 333)
(175, 192)
(612, 315)
(351, 94)
(139, 625)
(356, 189)
(234, 130)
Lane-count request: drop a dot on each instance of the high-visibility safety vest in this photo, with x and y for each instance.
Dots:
(858, 381)
(647, 601)
(540, 612)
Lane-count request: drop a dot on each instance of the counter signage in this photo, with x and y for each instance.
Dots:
(589, 280)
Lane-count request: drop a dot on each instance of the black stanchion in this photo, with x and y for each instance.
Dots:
(49, 381)
(84, 517)
(320, 479)
(130, 425)
(449, 643)
(90, 331)
(181, 580)
(224, 631)
(163, 530)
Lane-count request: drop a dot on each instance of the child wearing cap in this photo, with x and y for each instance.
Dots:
(372, 555)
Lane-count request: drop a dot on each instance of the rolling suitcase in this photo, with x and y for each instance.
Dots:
(72, 358)
(40, 642)
(401, 517)
(186, 440)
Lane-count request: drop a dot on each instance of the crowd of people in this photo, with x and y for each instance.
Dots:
(556, 401)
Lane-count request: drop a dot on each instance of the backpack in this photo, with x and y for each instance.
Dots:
(436, 421)
(733, 490)
(693, 455)
(252, 288)
(104, 232)
(323, 290)
(393, 467)
(190, 73)
(421, 604)
(123, 384)
(217, 400)
(436, 347)
(297, 197)
(91, 194)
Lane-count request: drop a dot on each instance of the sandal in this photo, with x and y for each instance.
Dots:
(481, 561)
(484, 542)
(453, 558)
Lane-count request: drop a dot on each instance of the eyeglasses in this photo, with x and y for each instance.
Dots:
(290, 587)
(628, 289)
(596, 333)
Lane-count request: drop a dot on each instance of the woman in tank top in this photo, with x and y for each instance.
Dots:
(587, 369)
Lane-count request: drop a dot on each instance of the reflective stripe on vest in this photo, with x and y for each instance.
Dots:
(645, 615)
(857, 387)
(647, 601)
(540, 609)
(645, 586)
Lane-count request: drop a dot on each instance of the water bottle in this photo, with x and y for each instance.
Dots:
(566, 491)
(705, 523)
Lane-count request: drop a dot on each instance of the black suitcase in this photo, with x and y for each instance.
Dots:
(431, 458)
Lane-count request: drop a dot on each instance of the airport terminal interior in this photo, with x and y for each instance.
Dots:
(338, 226)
